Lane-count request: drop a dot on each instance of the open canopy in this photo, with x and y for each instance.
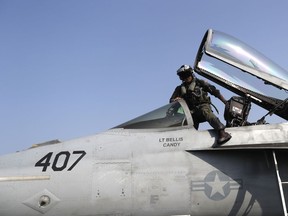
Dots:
(243, 70)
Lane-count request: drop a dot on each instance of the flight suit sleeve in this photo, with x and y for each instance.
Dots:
(213, 90)
(176, 93)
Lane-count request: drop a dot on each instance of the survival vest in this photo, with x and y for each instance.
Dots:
(194, 93)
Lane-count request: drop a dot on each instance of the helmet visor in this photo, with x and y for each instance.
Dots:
(184, 75)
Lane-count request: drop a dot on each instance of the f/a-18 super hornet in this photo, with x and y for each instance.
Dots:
(158, 163)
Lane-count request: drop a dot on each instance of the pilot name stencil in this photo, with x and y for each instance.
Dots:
(170, 141)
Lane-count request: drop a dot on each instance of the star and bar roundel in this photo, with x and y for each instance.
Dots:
(216, 185)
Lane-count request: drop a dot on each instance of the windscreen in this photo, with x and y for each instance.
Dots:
(171, 115)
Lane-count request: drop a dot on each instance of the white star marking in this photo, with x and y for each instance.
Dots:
(217, 186)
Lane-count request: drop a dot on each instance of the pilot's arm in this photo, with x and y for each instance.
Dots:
(213, 90)
(176, 94)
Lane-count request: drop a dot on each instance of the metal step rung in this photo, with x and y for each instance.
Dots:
(280, 185)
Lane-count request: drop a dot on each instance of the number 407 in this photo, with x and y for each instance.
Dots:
(57, 165)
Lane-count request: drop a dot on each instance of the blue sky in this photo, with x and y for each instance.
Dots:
(74, 68)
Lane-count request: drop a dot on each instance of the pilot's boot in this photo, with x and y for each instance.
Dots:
(223, 137)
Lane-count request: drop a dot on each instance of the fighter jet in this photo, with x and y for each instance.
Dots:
(158, 163)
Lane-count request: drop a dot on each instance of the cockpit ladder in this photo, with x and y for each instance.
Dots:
(281, 184)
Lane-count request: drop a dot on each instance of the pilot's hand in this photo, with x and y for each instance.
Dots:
(223, 99)
(176, 99)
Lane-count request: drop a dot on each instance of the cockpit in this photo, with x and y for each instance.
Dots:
(237, 67)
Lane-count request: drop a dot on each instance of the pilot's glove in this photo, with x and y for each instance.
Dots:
(222, 99)
(176, 99)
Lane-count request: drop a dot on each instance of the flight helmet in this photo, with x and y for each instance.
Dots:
(185, 71)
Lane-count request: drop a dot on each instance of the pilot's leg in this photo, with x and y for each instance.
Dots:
(215, 123)
(195, 120)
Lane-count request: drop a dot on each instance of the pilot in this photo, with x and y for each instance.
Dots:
(195, 92)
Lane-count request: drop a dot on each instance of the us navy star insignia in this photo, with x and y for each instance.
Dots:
(217, 185)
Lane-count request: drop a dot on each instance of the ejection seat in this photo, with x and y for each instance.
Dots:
(236, 111)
